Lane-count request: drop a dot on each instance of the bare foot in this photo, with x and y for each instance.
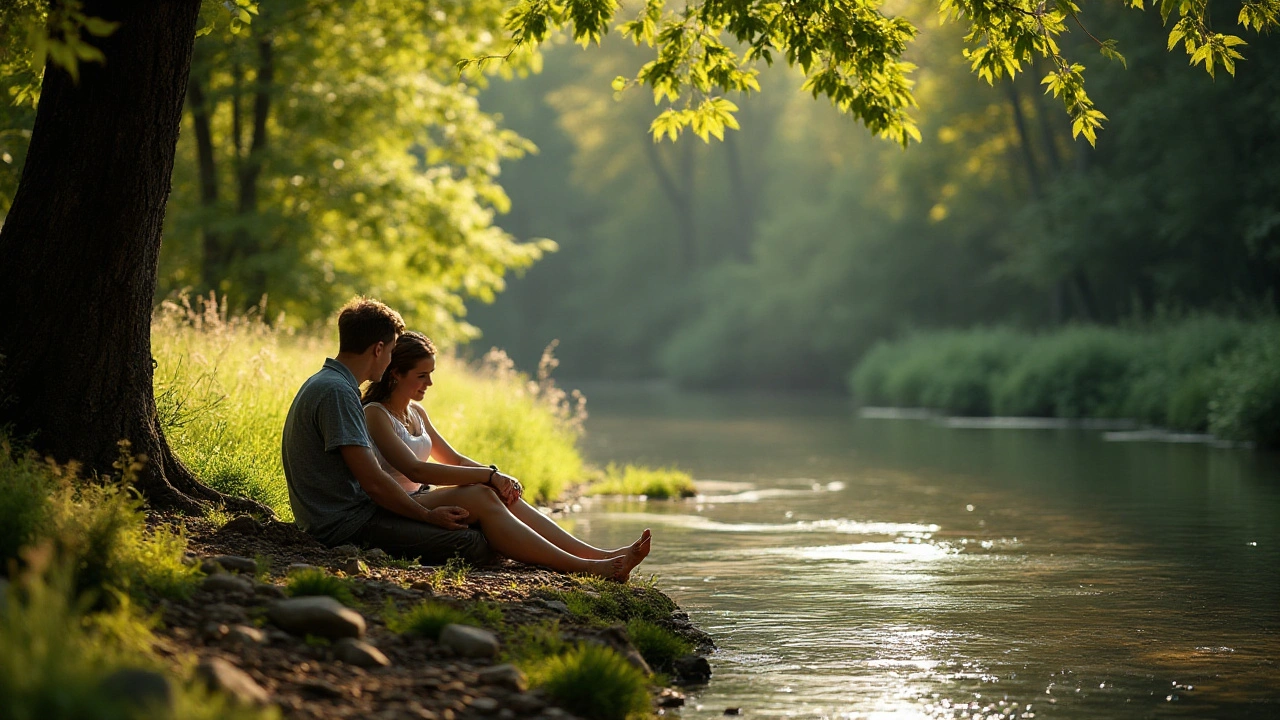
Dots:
(635, 555)
(616, 569)
(634, 547)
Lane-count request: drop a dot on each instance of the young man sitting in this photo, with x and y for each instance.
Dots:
(338, 492)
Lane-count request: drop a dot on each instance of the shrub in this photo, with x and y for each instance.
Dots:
(314, 581)
(426, 619)
(25, 506)
(659, 646)
(659, 484)
(1079, 372)
(1246, 405)
(594, 682)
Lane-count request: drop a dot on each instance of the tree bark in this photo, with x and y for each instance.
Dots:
(80, 248)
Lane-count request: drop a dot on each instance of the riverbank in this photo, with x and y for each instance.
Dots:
(1202, 375)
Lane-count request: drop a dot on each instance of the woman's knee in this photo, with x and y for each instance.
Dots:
(480, 494)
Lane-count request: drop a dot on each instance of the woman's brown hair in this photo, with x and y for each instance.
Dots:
(411, 348)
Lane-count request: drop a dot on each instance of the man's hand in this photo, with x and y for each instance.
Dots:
(508, 488)
(449, 517)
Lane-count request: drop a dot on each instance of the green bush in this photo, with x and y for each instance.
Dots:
(594, 682)
(314, 581)
(426, 619)
(659, 646)
(1079, 372)
(1246, 404)
(530, 644)
(1173, 380)
(660, 484)
(25, 504)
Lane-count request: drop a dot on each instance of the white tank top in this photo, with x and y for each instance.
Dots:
(419, 444)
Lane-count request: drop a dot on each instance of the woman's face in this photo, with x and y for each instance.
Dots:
(414, 383)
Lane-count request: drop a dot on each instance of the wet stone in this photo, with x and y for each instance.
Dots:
(359, 653)
(321, 616)
(692, 670)
(219, 675)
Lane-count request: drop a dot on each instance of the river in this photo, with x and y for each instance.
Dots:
(860, 568)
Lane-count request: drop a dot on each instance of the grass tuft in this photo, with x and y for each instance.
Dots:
(453, 572)
(425, 619)
(659, 646)
(315, 581)
(595, 682)
(659, 484)
(602, 602)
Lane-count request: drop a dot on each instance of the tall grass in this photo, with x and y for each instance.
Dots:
(659, 484)
(224, 385)
(1197, 374)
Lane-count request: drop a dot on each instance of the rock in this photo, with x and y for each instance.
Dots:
(692, 670)
(733, 711)
(556, 605)
(669, 698)
(376, 555)
(220, 675)
(355, 566)
(235, 563)
(506, 714)
(246, 635)
(214, 631)
(243, 525)
(526, 703)
(298, 567)
(140, 688)
(469, 641)
(321, 616)
(347, 550)
(227, 584)
(359, 653)
(505, 676)
(269, 590)
(484, 705)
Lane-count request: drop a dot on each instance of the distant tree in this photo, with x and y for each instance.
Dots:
(81, 241)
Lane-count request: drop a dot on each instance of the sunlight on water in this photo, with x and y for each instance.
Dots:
(989, 575)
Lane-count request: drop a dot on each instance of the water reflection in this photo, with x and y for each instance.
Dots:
(873, 568)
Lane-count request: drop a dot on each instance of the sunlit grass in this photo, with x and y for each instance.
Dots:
(603, 602)
(659, 646)
(426, 619)
(315, 581)
(595, 682)
(658, 484)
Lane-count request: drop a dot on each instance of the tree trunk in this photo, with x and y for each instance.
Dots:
(81, 244)
(1024, 140)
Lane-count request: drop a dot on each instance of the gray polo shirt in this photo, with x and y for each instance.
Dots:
(328, 503)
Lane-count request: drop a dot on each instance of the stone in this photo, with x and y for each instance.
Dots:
(557, 605)
(505, 676)
(347, 550)
(733, 711)
(506, 714)
(359, 653)
(269, 590)
(321, 616)
(526, 703)
(243, 525)
(669, 698)
(355, 566)
(214, 630)
(219, 675)
(376, 555)
(484, 705)
(246, 635)
(692, 670)
(221, 583)
(467, 641)
(235, 563)
(139, 688)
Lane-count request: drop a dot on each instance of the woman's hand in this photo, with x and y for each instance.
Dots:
(507, 487)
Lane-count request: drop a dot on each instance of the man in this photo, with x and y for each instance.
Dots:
(337, 490)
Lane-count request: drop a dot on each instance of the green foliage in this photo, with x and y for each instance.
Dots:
(949, 371)
(453, 572)
(531, 643)
(315, 581)
(604, 602)
(659, 646)
(426, 619)
(1246, 404)
(656, 484)
(1079, 372)
(595, 682)
(57, 655)
(224, 384)
(95, 526)
(488, 614)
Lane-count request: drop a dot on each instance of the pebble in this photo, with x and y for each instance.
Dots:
(469, 641)
(227, 583)
(355, 566)
(246, 635)
(484, 705)
(319, 615)
(235, 563)
(218, 674)
(140, 688)
(214, 630)
(359, 653)
(506, 676)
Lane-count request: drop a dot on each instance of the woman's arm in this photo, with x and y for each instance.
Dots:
(507, 487)
(383, 433)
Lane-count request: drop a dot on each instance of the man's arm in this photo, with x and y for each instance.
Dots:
(387, 493)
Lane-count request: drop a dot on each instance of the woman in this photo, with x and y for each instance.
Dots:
(404, 440)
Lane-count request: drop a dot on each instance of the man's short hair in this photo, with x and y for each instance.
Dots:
(363, 322)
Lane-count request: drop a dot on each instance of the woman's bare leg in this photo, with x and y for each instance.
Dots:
(511, 537)
(556, 535)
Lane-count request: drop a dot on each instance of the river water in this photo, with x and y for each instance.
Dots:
(859, 568)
